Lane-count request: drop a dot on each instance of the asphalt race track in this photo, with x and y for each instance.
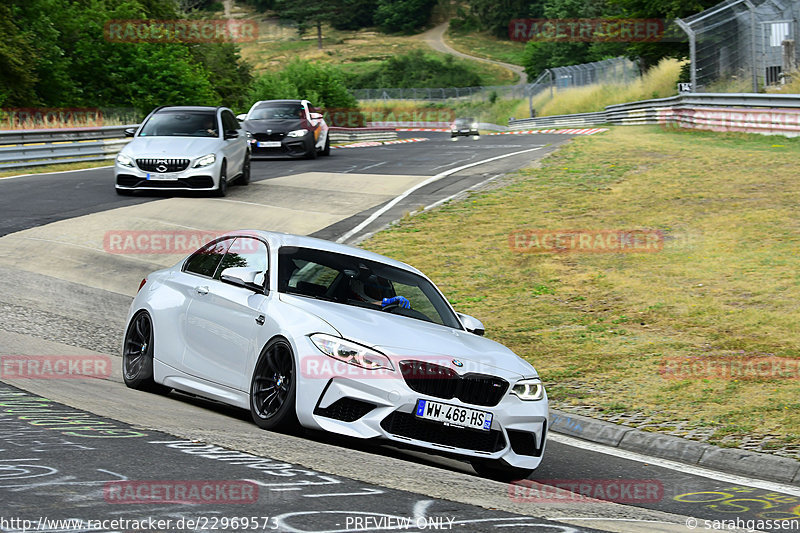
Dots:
(79, 449)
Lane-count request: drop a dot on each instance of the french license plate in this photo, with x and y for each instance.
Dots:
(161, 177)
(269, 144)
(453, 415)
(465, 131)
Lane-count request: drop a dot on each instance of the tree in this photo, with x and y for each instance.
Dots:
(403, 16)
(321, 84)
(305, 13)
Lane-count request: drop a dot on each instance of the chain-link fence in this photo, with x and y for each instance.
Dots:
(742, 45)
(616, 70)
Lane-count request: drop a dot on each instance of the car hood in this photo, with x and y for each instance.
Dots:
(276, 125)
(171, 147)
(406, 337)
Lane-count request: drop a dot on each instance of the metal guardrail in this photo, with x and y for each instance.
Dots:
(774, 114)
(30, 148)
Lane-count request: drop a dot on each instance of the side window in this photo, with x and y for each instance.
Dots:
(204, 262)
(245, 252)
(229, 122)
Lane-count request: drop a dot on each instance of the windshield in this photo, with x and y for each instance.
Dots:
(277, 111)
(464, 121)
(181, 124)
(361, 283)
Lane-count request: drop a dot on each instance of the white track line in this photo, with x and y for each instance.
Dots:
(734, 479)
(54, 172)
(428, 181)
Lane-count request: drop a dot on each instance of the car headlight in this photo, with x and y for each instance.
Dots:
(474, 125)
(529, 389)
(205, 161)
(296, 133)
(124, 160)
(350, 352)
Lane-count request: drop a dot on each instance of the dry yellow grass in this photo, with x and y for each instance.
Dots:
(598, 327)
(660, 82)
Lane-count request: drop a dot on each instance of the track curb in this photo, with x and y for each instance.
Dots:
(731, 460)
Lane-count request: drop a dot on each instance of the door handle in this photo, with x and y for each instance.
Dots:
(201, 290)
(260, 320)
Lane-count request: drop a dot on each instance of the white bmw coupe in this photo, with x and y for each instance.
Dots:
(306, 332)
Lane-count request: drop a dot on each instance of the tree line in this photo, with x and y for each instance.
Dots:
(494, 16)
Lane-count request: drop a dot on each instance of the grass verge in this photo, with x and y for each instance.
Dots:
(66, 167)
(599, 327)
(483, 44)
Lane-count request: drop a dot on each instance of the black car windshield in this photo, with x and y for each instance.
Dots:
(360, 282)
(277, 111)
(181, 124)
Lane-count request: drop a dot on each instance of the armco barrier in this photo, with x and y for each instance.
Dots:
(30, 148)
(768, 114)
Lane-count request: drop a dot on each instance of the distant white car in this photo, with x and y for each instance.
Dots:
(286, 128)
(191, 148)
(304, 331)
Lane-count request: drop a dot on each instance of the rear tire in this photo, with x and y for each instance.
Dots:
(222, 188)
(137, 355)
(273, 388)
(499, 471)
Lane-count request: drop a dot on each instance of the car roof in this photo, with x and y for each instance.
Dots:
(279, 102)
(188, 108)
(276, 240)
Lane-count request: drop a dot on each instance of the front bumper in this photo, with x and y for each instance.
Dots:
(382, 406)
(191, 179)
(289, 147)
(464, 133)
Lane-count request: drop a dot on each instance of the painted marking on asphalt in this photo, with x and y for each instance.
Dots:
(48, 173)
(364, 492)
(673, 465)
(476, 186)
(428, 181)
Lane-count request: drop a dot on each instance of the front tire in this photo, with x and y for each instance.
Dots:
(137, 355)
(311, 153)
(222, 188)
(244, 179)
(499, 471)
(327, 150)
(273, 388)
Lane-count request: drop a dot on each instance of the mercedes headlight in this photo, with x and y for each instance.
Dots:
(350, 352)
(529, 389)
(474, 125)
(124, 160)
(205, 161)
(296, 133)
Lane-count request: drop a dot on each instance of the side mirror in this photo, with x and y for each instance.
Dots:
(315, 116)
(231, 134)
(249, 278)
(242, 117)
(130, 132)
(471, 324)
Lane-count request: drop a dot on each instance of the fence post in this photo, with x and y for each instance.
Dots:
(692, 51)
(754, 36)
